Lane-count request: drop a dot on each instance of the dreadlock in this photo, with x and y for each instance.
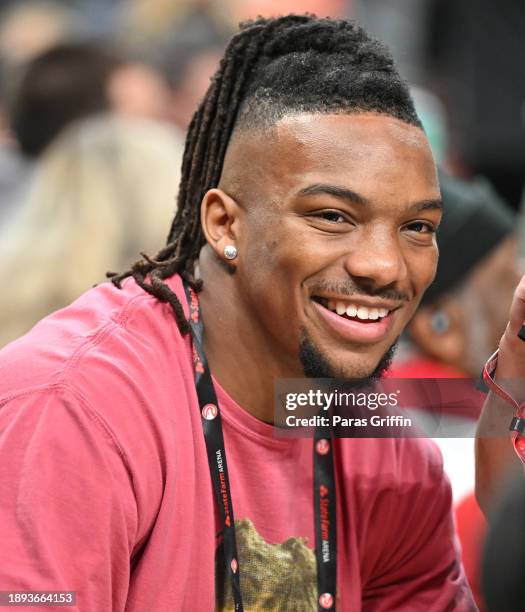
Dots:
(271, 68)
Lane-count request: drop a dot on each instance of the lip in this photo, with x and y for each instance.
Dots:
(354, 331)
(360, 301)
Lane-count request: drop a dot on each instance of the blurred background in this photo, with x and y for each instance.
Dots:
(95, 99)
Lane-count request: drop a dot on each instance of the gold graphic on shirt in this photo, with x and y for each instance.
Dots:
(274, 577)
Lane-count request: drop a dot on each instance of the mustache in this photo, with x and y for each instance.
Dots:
(350, 288)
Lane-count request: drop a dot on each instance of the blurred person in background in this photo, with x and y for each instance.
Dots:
(458, 326)
(469, 54)
(76, 80)
(138, 89)
(15, 168)
(464, 312)
(185, 47)
(104, 190)
(185, 39)
(475, 51)
(190, 78)
(144, 23)
(62, 85)
(28, 28)
(65, 83)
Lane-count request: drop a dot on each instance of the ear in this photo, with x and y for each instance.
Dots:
(438, 331)
(220, 220)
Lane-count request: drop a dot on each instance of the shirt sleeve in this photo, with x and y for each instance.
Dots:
(419, 566)
(68, 514)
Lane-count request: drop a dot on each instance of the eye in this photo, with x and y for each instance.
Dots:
(333, 216)
(421, 227)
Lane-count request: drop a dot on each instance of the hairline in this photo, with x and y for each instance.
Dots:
(264, 124)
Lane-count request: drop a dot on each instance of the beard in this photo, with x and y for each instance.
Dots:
(316, 365)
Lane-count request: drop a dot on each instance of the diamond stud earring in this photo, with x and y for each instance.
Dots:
(230, 252)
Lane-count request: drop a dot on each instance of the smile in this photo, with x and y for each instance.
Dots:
(355, 322)
(363, 313)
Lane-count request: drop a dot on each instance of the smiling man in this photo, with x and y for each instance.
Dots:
(141, 478)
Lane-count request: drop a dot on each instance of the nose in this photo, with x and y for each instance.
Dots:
(376, 259)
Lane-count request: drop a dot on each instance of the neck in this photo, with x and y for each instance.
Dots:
(240, 355)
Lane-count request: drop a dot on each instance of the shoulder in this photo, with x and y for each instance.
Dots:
(119, 355)
(106, 328)
(114, 370)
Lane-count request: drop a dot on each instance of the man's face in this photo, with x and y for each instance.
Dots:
(336, 240)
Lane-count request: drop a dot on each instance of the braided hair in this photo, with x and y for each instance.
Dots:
(271, 68)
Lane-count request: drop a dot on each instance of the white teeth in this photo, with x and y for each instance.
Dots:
(351, 311)
(362, 312)
(340, 308)
(373, 314)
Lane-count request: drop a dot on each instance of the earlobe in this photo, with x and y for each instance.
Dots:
(220, 223)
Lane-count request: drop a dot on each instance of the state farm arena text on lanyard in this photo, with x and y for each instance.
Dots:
(324, 478)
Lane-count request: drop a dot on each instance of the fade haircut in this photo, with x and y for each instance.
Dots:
(270, 69)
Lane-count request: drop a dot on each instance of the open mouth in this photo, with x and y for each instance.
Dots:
(355, 322)
(363, 314)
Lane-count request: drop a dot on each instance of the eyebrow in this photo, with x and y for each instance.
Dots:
(338, 192)
(344, 193)
(436, 204)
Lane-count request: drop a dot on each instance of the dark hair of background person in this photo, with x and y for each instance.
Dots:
(503, 573)
(271, 68)
(63, 84)
(476, 220)
(475, 51)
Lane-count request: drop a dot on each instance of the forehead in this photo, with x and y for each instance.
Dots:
(367, 152)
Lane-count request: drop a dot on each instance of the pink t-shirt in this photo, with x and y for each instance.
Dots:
(105, 487)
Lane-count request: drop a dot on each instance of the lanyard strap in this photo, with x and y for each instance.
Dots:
(517, 424)
(325, 518)
(212, 428)
(324, 477)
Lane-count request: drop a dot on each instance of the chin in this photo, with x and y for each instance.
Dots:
(318, 364)
(356, 370)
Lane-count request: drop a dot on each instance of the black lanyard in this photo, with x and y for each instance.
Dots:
(324, 478)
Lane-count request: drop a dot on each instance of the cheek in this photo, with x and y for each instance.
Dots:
(422, 266)
(421, 270)
(271, 271)
(276, 253)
